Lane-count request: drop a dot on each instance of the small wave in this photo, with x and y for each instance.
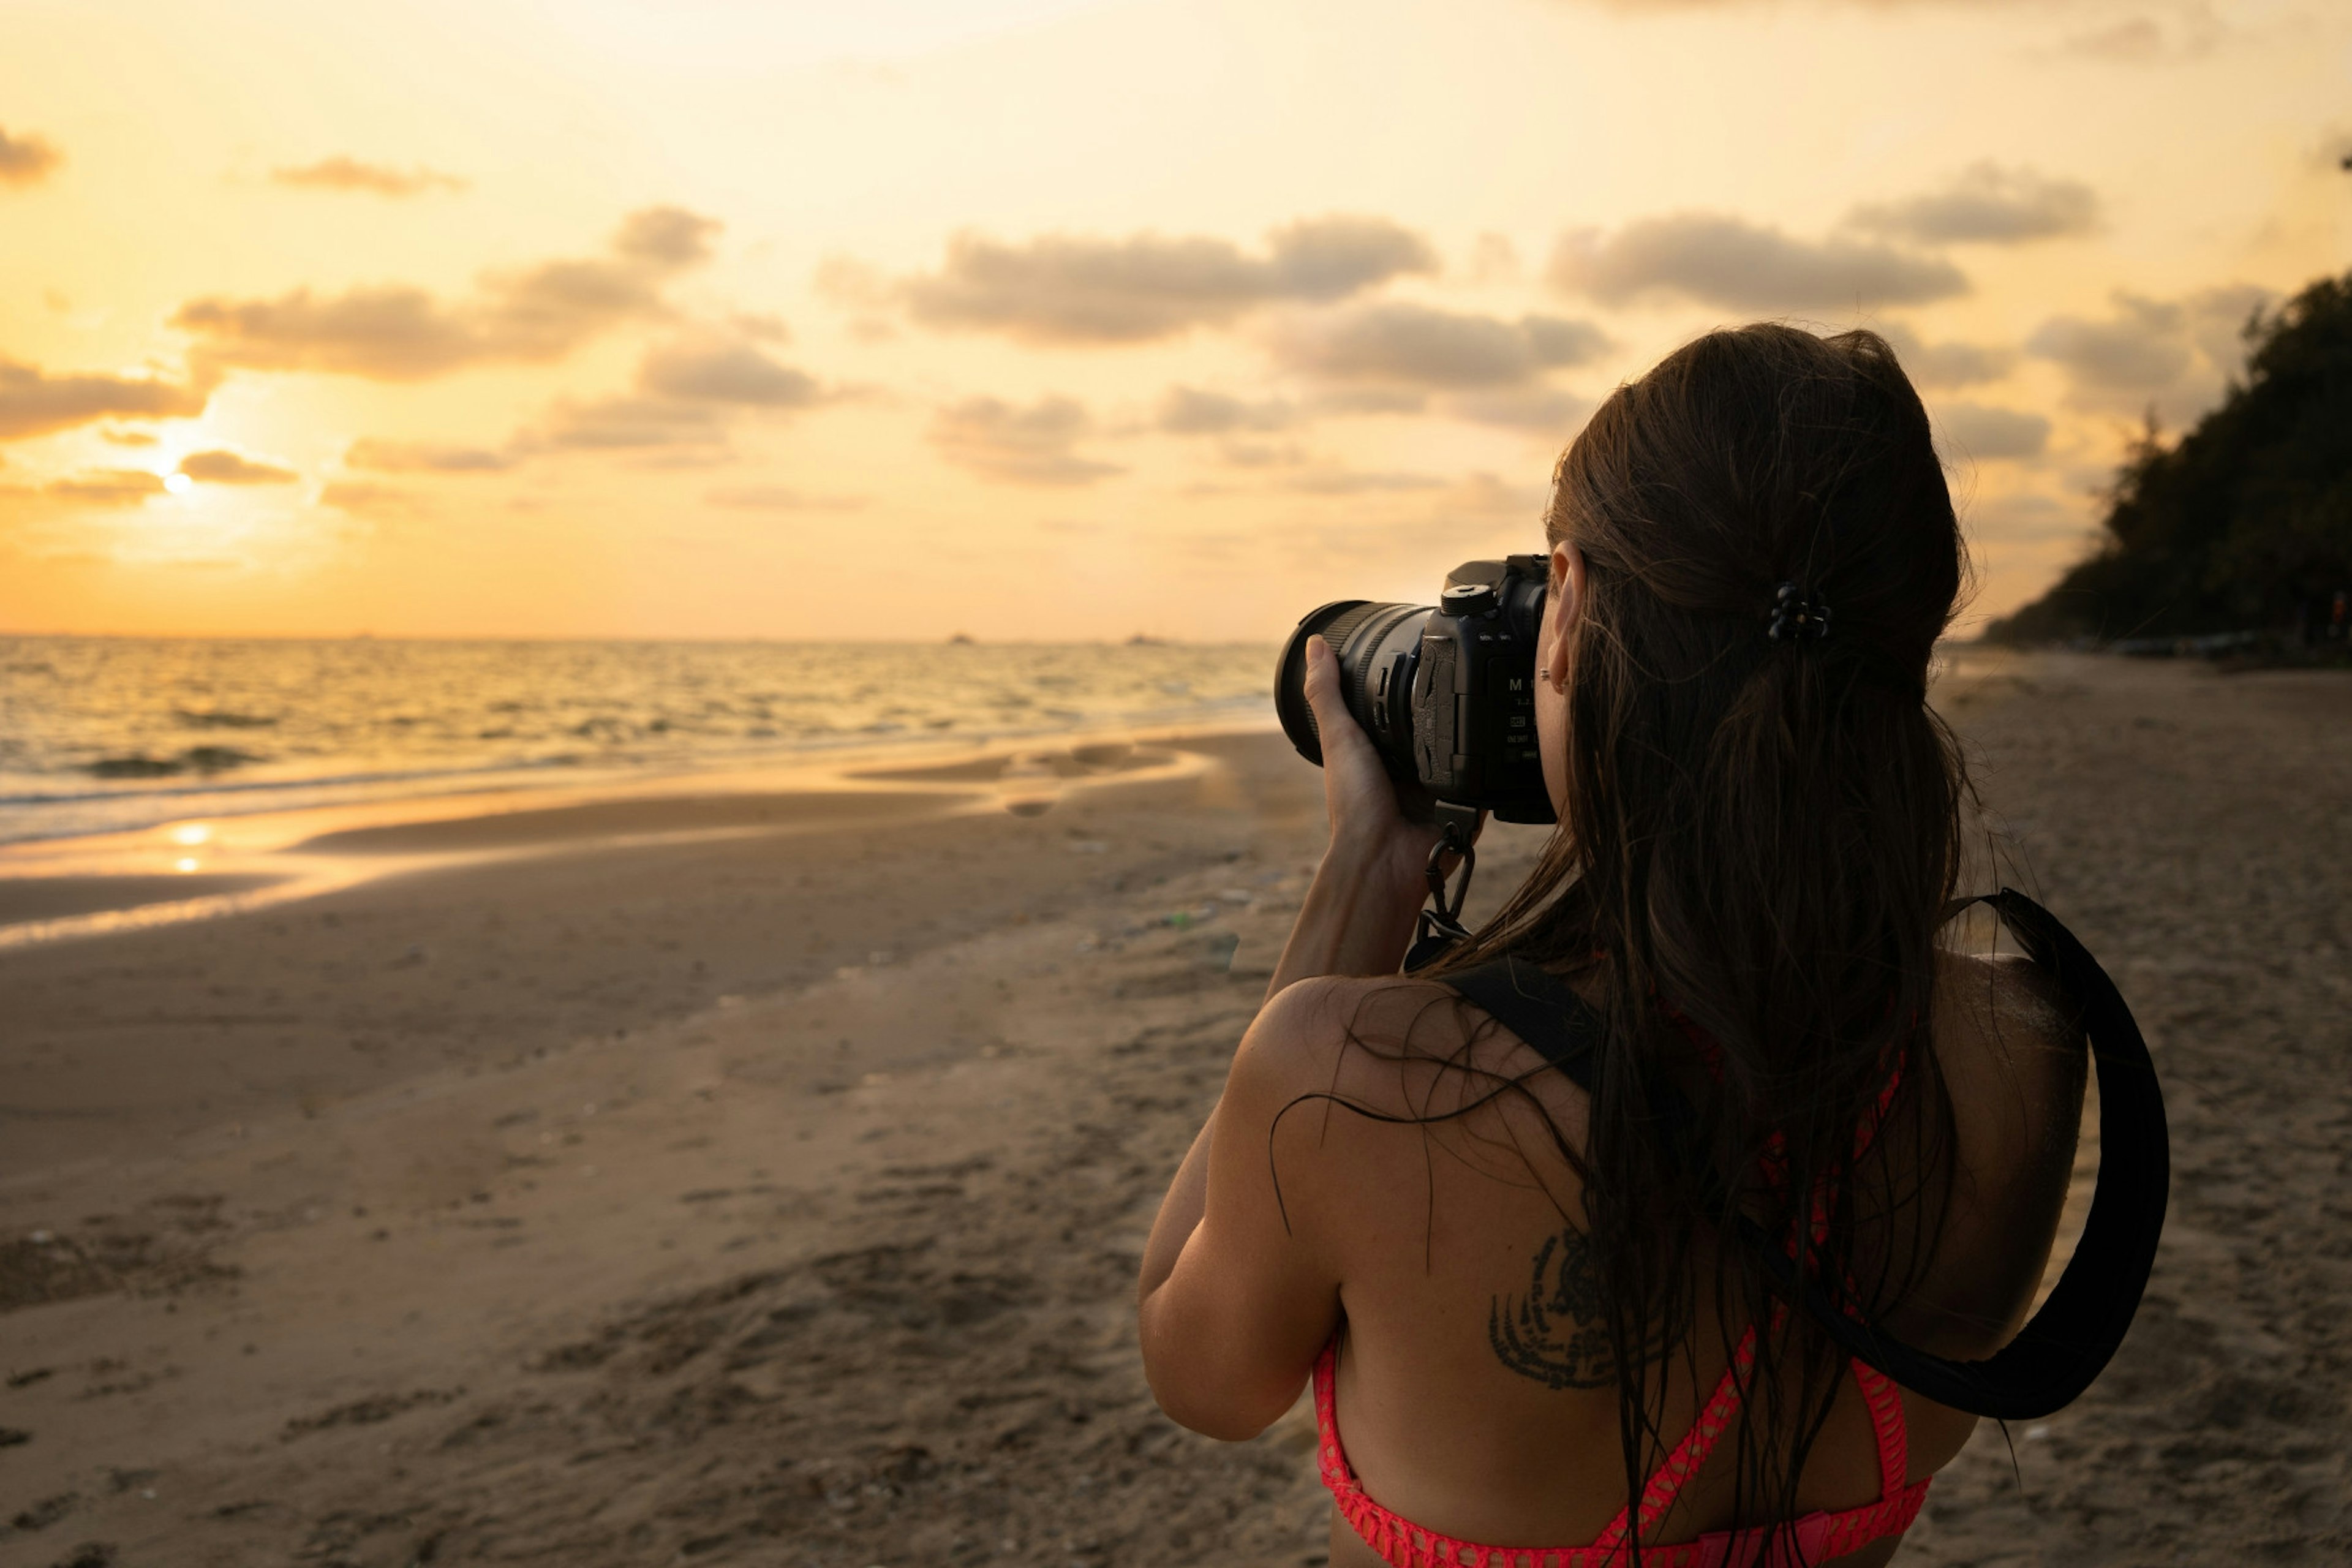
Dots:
(195, 760)
(171, 768)
(138, 767)
(222, 719)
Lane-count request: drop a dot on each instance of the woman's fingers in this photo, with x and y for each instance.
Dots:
(1343, 739)
(1356, 786)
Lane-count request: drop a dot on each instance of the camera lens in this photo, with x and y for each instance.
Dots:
(1378, 648)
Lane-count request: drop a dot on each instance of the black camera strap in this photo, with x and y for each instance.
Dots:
(2066, 1344)
(1441, 924)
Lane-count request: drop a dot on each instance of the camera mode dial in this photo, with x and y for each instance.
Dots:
(1466, 599)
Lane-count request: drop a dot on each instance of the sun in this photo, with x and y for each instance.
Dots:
(178, 484)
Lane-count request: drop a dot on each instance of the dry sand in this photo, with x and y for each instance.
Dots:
(774, 1194)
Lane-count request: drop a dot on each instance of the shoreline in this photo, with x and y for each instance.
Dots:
(207, 868)
(219, 865)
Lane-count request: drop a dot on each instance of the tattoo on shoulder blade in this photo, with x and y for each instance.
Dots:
(1555, 1334)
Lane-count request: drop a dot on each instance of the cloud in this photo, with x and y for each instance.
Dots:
(27, 160)
(722, 372)
(107, 486)
(128, 438)
(1329, 259)
(1188, 411)
(780, 497)
(93, 489)
(1721, 261)
(1987, 433)
(346, 173)
(624, 424)
(401, 332)
(1064, 288)
(1031, 446)
(1986, 203)
(1546, 410)
(686, 394)
(2173, 355)
(220, 467)
(424, 457)
(1422, 345)
(1948, 363)
(667, 238)
(34, 403)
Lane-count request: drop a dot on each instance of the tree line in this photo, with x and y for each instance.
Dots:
(2242, 524)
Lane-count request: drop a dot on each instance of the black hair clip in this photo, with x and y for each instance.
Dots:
(1797, 617)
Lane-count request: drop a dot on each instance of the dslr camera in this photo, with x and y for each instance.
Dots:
(1445, 691)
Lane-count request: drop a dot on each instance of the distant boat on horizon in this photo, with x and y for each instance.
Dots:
(1143, 639)
(961, 639)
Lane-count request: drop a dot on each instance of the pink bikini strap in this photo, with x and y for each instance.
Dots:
(1885, 1401)
(1691, 1452)
(1879, 1393)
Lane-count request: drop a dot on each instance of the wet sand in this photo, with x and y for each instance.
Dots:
(773, 1192)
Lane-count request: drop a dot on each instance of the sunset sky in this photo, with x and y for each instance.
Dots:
(1058, 318)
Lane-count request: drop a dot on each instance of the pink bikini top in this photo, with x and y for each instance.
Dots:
(1819, 1536)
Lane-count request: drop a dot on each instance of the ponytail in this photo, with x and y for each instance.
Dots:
(1761, 827)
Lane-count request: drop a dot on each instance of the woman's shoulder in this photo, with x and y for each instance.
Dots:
(1318, 1034)
(1405, 1059)
(1377, 1036)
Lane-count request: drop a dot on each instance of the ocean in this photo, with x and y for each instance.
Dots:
(107, 734)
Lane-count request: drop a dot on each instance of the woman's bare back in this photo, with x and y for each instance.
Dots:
(1477, 1393)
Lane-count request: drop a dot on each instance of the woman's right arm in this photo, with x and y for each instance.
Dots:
(2012, 1058)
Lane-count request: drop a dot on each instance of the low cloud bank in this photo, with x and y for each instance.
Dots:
(1031, 446)
(220, 467)
(1986, 203)
(35, 403)
(1420, 345)
(2174, 355)
(1066, 289)
(1717, 259)
(402, 332)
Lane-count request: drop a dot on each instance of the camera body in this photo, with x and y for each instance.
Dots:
(1445, 691)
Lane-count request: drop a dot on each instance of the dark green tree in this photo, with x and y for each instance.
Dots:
(2245, 523)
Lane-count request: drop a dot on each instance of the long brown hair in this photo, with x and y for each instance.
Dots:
(1758, 840)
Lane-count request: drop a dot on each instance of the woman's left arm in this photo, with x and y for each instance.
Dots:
(1236, 1300)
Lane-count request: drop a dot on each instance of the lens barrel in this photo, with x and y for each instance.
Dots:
(1378, 648)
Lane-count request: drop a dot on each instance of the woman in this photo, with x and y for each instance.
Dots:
(1518, 1297)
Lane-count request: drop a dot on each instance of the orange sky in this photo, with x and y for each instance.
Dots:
(1051, 317)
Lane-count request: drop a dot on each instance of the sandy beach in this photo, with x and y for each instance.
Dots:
(744, 1177)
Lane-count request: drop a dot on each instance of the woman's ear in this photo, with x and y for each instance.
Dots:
(1563, 609)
